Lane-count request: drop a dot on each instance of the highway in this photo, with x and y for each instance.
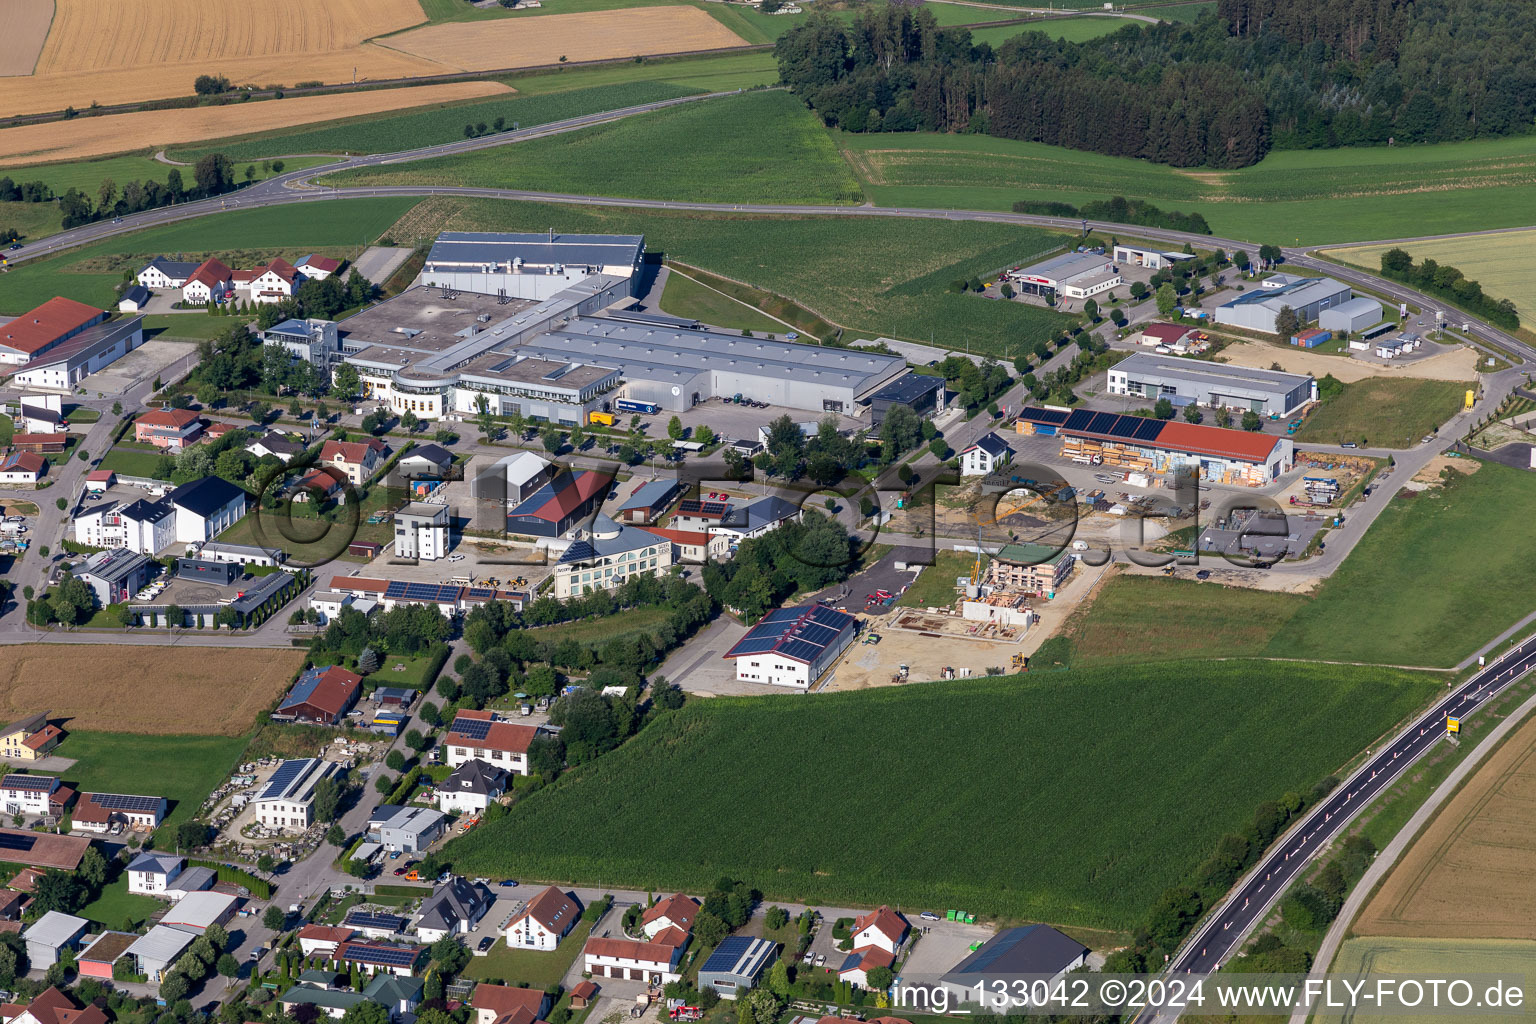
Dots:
(1251, 899)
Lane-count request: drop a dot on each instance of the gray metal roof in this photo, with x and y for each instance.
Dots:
(56, 929)
(607, 539)
(650, 494)
(489, 247)
(258, 592)
(908, 388)
(1032, 949)
(1358, 304)
(763, 512)
(161, 944)
(1148, 365)
(1068, 265)
(113, 565)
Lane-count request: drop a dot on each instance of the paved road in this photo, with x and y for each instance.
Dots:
(1251, 899)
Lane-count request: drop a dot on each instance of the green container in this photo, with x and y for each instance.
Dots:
(970, 918)
(949, 915)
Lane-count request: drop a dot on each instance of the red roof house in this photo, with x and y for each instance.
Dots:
(322, 696)
(172, 429)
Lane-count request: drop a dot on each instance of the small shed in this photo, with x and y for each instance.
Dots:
(364, 549)
(583, 993)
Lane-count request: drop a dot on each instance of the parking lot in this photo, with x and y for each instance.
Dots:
(146, 362)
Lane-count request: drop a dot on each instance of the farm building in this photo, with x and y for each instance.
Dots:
(1152, 259)
(65, 365)
(161, 273)
(736, 965)
(530, 266)
(1355, 315)
(793, 646)
(42, 444)
(512, 478)
(1073, 275)
(1258, 309)
(320, 696)
(101, 812)
(654, 961)
(1196, 382)
(648, 501)
(1035, 949)
(1148, 445)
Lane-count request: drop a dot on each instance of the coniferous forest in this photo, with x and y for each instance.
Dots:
(1221, 92)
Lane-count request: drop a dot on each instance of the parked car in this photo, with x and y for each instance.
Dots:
(510, 883)
(486, 943)
(1203, 574)
(399, 871)
(821, 958)
(809, 958)
(1349, 444)
(929, 915)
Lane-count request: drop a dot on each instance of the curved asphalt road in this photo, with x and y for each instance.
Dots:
(1251, 899)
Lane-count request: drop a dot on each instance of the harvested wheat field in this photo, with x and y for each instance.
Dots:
(86, 137)
(1456, 364)
(115, 51)
(155, 689)
(26, 29)
(1469, 874)
(592, 35)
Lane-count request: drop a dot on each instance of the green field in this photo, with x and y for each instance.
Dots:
(1376, 956)
(183, 769)
(683, 296)
(31, 220)
(1435, 578)
(1384, 412)
(1073, 30)
(876, 277)
(1182, 12)
(760, 147)
(1142, 618)
(1098, 766)
(599, 631)
(934, 587)
(131, 462)
(430, 126)
(87, 175)
(1308, 196)
(1493, 261)
(90, 272)
(187, 326)
(7, 428)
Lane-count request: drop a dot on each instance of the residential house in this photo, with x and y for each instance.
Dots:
(209, 282)
(22, 468)
(609, 555)
(319, 939)
(41, 850)
(736, 965)
(454, 908)
(270, 283)
(357, 460)
(287, 800)
(12, 904)
(379, 957)
(30, 738)
(693, 546)
(34, 794)
(698, 514)
(162, 274)
(411, 829)
(648, 502)
(471, 788)
(320, 485)
(654, 961)
(762, 516)
(1167, 335)
(375, 925)
(857, 965)
(54, 1007)
(50, 935)
(331, 1003)
(276, 444)
(157, 950)
(504, 1004)
(142, 526)
(206, 508)
(102, 812)
(400, 996)
(476, 735)
(676, 911)
(151, 874)
(421, 531)
(881, 927)
(133, 299)
(989, 454)
(317, 268)
(320, 696)
(168, 429)
(40, 414)
(543, 921)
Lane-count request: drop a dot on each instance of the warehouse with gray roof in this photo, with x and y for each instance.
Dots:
(1259, 309)
(1196, 382)
(530, 266)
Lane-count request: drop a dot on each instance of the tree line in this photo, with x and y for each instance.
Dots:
(1119, 210)
(1446, 282)
(1219, 92)
(212, 175)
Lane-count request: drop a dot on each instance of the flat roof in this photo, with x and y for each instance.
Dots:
(1299, 292)
(420, 321)
(1067, 266)
(477, 248)
(908, 388)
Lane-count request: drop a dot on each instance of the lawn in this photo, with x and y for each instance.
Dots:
(31, 220)
(1073, 30)
(413, 672)
(130, 462)
(1437, 576)
(118, 909)
(308, 541)
(875, 277)
(1493, 261)
(1384, 412)
(1289, 197)
(683, 296)
(759, 147)
(1098, 766)
(536, 968)
(90, 273)
(188, 326)
(183, 769)
(610, 627)
(87, 175)
(7, 428)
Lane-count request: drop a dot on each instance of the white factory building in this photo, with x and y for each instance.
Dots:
(529, 266)
(1197, 382)
(1073, 275)
(1258, 309)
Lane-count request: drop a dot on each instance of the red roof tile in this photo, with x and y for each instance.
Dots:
(886, 920)
(504, 999)
(324, 933)
(1165, 333)
(26, 462)
(210, 272)
(551, 908)
(628, 949)
(677, 908)
(505, 736)
(1200, 440)
(39, 439)
(175, 418)
(40, 327)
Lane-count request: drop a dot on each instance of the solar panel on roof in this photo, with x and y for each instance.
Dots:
(1078, 420)
(22, 843)
(30, 783)
(1147, 430)
(780, 615)
(800, 650)
(756, 644)
(124, 802)
(481, 593)
(285, 774)
(816, 633)
(389, 956)
(396, 588)
(387, 921)
(472, 728)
